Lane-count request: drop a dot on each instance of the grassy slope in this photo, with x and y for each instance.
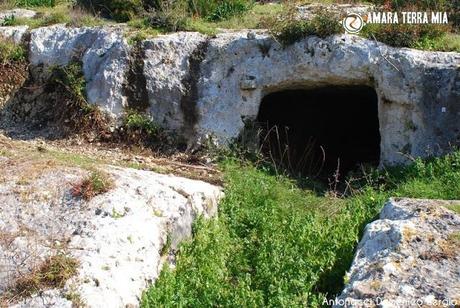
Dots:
(258, 16)
(277, 245)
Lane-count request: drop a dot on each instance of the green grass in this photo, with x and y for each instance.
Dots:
(447, 42)
(424, 37)
(35, 3)
(455, 208)
(11, 52)
(139, 122)
(61, 13)
(255, 18)
(275, 244)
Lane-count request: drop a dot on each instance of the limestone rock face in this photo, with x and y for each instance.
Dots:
(16, 34)
(103, 52)
(118, 237)
(168, 65)
(409, 257)
(203, 87)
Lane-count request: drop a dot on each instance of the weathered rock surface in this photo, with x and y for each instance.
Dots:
(310, 10)
(409, 257)
(16, 33)
(187, 81)
(118, 237)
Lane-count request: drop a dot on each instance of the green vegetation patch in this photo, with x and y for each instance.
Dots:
(455, 208)
(137, 124)
(424, 36)
(125, 10)
(289, 29)
(276, 244)
(35, 3)
(11, 52)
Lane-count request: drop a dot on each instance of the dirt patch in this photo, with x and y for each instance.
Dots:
(12, 77)
(48, 106)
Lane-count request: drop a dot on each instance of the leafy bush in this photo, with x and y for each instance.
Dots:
(216, 10)
(71, 76)
(119, 10)
(276, 245)
(77, 115)
(10, 51)
(290, 29)
(169, 16)
(139, 124)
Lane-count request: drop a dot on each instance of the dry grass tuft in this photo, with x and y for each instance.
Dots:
(95, 184)
(52, 273)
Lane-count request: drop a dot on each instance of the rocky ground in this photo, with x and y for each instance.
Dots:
(120, 239)
(409, 257)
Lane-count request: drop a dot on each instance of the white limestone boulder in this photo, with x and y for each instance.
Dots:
(409, 257)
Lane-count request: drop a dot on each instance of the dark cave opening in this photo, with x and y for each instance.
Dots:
(320, 131)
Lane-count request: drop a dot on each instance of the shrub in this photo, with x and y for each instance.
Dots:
(227, 9)
(77, 114)
(289, 29)
(169, 16)
(10, 51)
(216, 10)
(71, 76)
(119, 10)
(404, 35)
(138, 124)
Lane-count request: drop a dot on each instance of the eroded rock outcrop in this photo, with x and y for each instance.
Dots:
(121, 238)
(192, 80)
(409, 257)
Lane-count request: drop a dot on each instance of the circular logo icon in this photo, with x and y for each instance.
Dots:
(353, 23)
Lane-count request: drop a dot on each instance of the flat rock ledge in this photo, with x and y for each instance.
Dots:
(118, 237)
(407, 258)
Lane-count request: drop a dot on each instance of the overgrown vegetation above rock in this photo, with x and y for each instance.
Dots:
(127, 10)
(420, 36)
(424, 36)
(289, 28)
(33, 3)
(11, 52)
